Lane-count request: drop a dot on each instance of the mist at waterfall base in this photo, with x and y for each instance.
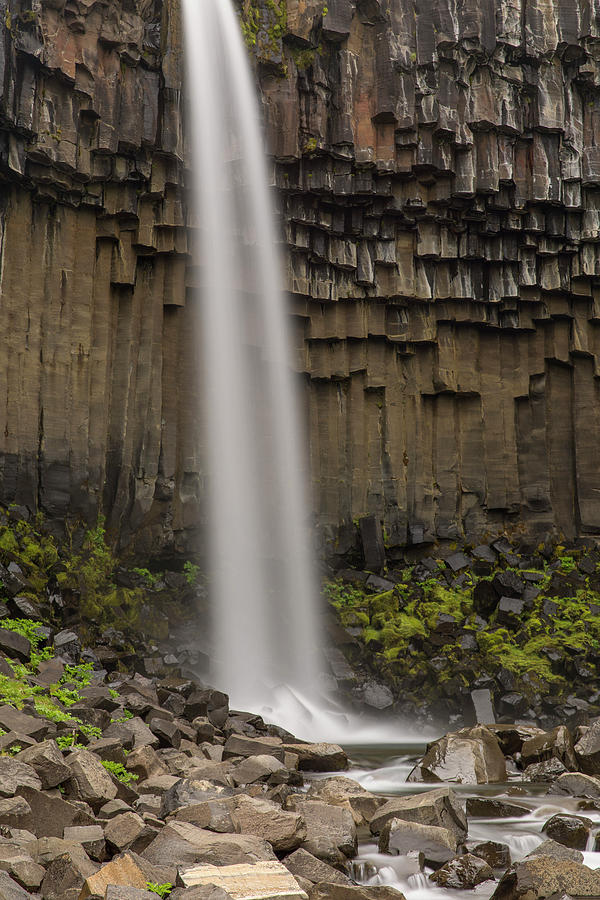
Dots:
(266, 647)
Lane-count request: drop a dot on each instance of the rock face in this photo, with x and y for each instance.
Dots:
(437, 169)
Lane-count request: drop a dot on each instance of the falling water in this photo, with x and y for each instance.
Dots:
(264, 591)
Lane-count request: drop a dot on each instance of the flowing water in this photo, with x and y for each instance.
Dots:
(383, 769)
(263, 589)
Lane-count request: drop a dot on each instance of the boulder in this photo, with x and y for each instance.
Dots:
(440, 807)
(145, 763)
(487, 807)
(538, 877)
(212, 814)
(587, 750)
(12, 719)
(438, 845)
(65, 877)
(127, 831)
(15, 645)
(462, 872)
(495, 854)
(15, 775)
(342, 791)
(556, 744)
(303, 864)
(571, 831)
(470, 756)
(47, 762)
(284, 831)
(547, 771)
(256, 768)
(319, 757)
(327, 891)
(267, 880)
(122, 892)
(90, 780)
(129, 869)
(187, 845)
(91, 838)
(10, 890)
(577, 785)
(556, 851)
(242, 745)
(49, 816)
(330, 830)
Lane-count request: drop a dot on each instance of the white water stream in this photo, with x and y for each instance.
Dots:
(264, 593)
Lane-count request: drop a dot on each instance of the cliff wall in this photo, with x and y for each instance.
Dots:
(438, 176)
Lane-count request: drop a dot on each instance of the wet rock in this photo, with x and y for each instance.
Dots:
(303, 864)
(587, 750)
(440, 807)
(465, 871)
(319, 757)
(494, 853)
(556, 744)
(330, 830)
(438, 845)
(47, 762)
(486, 807)
(553, 849)
(327, 891)
(571, 831)
(578, 785)
(539, 877)
(547, 771)
(470, 756)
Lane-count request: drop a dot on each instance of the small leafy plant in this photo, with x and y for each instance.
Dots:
(120, 773)
(162, 890)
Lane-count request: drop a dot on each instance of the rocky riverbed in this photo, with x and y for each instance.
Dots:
(118, 786)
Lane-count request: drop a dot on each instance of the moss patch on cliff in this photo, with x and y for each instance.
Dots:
(263, 24)
(432, 636)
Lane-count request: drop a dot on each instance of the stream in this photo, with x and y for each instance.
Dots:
(383, 769)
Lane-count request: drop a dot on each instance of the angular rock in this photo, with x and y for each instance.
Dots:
(462, 872)
(14, 720)
(10, 890)
(330, 830)
(47, 761)
(555, 850)
(65, 877)
(471, 756)
(572, 831)
(303, 864)
(91, 782)
(129, 869)
(587, 750)
(15, 645)
(342, 791)
(440, 807)
(539, 877)
(489, 808)
(578, 785)
(284, 831)
(48, 815)
(268, 880)
(438, 845)
(91, 838)
(318, 757)
(15, 775)
(494, 853)
(188, 845)
(256, 768)
(145, 763)
(327, 891)
(547, 771)
(554, 744)
(127, 831)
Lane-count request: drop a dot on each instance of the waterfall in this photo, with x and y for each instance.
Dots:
(263, 588)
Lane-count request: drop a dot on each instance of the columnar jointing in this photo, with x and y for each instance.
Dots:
(439, 181)
(439, 174)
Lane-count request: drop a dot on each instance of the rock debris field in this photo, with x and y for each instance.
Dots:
(152, 786)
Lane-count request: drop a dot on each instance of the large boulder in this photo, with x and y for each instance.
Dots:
(342, 791)
(15, 775)
(186, 845)
(462, 872)
(440, 807)
(89, 779)
(47, 762)
(303, 864)
(318, 757)
(469, 756)
(571, 831)
(330, 830)
(577, 785)
(284, 831)
(587, 750)
(556, 744)
(538, 877)
(438, 845)
(49, 816)
(328, 891)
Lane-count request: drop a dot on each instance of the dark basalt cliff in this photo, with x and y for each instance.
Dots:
(438, 172)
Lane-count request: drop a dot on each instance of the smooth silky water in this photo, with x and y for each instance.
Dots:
(383, 769)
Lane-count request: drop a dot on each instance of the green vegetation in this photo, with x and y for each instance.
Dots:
(163, 890)
(191, 572)
(119, 771)
(263, 25)
(404, 641)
